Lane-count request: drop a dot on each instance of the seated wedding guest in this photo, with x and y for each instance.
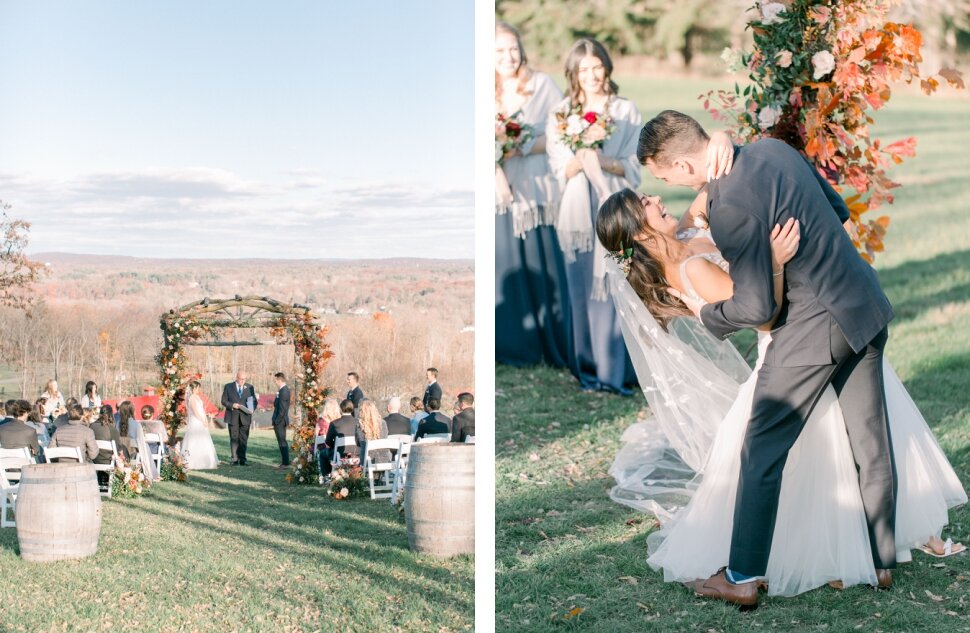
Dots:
(463, 424)
(76, 433)
(397, 424)
(91, 399)
(371, 426)
(104, 430)
(17, 433)
(150, 425)
(63, 417)
(436, 422)
(330, 413)
(417, 414)
(36, 419)
(344, 426)
(126, 422)
(5, 416)
(54, 404)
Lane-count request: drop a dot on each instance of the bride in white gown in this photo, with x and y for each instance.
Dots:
(197, 448)
(700, 394)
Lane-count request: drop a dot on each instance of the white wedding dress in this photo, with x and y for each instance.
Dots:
(197, 448)
(820, 532)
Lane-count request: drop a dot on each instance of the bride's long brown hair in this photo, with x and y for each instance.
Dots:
(619, 221)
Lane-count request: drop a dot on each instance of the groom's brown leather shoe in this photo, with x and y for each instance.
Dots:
(718, 587)
(884, 578)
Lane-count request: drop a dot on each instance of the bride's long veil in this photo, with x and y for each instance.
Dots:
(690, 380)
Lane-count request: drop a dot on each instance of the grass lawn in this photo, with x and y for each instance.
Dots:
(238, 549)
(568, 558)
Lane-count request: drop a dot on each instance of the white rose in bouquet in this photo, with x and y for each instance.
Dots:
(823, 62)
(769, 116)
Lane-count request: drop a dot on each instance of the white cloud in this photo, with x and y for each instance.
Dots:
(213, 213)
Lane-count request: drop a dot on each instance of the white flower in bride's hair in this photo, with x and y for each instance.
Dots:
(770, 12)
(768, 116)
(575, 124)
(823, 62)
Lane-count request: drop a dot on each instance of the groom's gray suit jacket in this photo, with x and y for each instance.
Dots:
(827, 279)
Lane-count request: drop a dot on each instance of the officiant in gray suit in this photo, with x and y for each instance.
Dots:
(239, 399)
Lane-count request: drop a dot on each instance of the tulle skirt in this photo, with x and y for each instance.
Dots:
(197, 448)
(820, 531)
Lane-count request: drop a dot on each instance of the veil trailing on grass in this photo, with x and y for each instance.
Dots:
(690, 380)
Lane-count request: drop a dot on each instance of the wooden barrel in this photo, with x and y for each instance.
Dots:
(439, 499)
(58, 512)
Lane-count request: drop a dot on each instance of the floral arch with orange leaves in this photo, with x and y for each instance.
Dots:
(193, 324)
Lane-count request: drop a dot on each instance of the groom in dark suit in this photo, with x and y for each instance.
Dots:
(236, 396)
(281, 417)
(831, 329)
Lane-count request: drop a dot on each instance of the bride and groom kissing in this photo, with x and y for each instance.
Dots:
(823, 482)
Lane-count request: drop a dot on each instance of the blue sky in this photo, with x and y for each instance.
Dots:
(240, 129)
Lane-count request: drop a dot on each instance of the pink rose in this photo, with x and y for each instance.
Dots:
(594, 134)
(783, 59)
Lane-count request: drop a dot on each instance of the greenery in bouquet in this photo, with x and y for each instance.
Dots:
(818, 69)
(173, 467)
(584, 130)
(511, 134)
(347, 480)
(128, 480)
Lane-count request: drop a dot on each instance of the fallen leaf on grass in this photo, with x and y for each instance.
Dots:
(534, 457)
(636, 521)
(630, 580)
(932, 596)
(573, 613)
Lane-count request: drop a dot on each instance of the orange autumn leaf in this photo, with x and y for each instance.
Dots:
(928, 85)
(910, 39)
(573, 613)
(905, 147)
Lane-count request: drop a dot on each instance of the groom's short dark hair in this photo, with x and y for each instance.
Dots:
(668, 135)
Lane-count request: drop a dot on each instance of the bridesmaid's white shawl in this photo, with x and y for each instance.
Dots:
(574, 226)
(535, 191)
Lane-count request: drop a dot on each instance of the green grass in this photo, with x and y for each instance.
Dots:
(237, 549)
(562, 544)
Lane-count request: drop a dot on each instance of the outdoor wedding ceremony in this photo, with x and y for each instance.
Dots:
(237, 322)
(732, 297)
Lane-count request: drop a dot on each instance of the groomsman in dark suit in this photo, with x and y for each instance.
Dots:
(355, 394)
(236, 396)
(463, 424)
(433, 390)
(281, 418)
(397, 424)
(436, 422)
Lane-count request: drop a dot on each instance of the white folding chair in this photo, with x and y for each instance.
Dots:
(382, 491)
(110, 466)
(469, 439)
(341, 442)
(400, 471)
(403, 439)
(56, 452)
(159, 452)
(11, 461)
(435, 437)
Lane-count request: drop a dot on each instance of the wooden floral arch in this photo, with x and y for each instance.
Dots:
(193, 325)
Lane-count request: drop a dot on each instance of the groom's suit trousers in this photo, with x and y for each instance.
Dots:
(783, 401)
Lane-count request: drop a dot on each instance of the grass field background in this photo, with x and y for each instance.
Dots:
(568, 558)
(238, 549)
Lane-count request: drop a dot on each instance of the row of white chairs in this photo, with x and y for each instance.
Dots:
(13, 459)
(394, 471)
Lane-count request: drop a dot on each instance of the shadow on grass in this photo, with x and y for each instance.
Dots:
(914, 287)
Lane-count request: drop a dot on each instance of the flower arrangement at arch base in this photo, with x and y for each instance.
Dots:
(347, 480)
(818, 68)
(128, 480)
(173, 467)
